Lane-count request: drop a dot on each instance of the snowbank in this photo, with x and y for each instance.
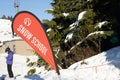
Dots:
(104, 66)
(6, 31)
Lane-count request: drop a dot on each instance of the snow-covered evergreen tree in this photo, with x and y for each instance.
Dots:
(80, 28)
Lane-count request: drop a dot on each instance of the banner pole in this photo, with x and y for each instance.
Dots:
(54, 58)
(57, 69)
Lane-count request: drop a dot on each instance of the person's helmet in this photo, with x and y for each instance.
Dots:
(7, 49)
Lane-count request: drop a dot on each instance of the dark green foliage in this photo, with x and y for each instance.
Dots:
(4, 17)
(88, 37)
(39, 63)
(32, 71)
(83, 62)
(31, 64)
(9, 17)
(45, 26)
(27, 60)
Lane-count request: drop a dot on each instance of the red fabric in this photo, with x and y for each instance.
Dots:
(29, 28)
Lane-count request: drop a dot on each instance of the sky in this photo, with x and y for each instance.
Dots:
(37, 7)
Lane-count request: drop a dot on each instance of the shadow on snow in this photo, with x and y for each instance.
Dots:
(113, 56)
(33, 77)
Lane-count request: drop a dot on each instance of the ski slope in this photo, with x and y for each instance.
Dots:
(104, 66)
(6, 31)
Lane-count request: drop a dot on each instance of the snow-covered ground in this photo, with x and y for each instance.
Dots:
(104, 66)
(6, 31)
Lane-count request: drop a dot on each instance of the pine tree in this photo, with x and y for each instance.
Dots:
(88, 35)
(109, 10)
(4, 17)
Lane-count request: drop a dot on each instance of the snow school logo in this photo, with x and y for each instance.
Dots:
(27, 21)
(29, 28)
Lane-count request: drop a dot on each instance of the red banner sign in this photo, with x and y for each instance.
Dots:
(29, 28)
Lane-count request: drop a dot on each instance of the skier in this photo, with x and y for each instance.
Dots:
(9, 62)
